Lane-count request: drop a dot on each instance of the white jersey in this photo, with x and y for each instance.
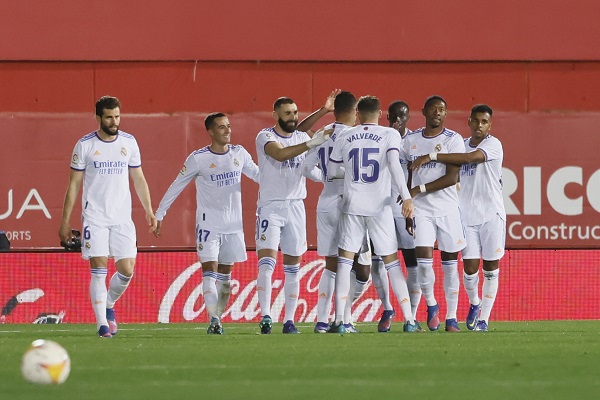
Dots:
(106, 198)
(331, 195)
(280, 180)
(218, 187)
(363, 151)
(396, 207)
(415, 144)
(480, 196)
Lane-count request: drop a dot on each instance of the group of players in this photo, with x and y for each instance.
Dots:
(384, 189)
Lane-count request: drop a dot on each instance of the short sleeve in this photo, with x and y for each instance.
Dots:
(78, 157)
(263, 138)
(492, 149)
(336, 152)
(136, 158)
(456, 145)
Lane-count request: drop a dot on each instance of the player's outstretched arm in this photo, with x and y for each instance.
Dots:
(278, 152)
(75, 181)
(143, 192)
(307, 123)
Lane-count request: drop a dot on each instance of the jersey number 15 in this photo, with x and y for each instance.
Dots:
(364, 167)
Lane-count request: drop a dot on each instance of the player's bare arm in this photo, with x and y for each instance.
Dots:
(157, 230)
(407, 208)
(449, 179)
(307, 123)
(143, 192)
(473, 157)
(75, 181)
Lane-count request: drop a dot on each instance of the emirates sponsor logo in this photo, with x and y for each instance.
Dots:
(184, 299)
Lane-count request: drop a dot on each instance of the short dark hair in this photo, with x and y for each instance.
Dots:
(280, 101)
(368, 104)
(433, 98)
(397, 105)
(209, 121)
(344, 102)
(108, 103)
(482, 108)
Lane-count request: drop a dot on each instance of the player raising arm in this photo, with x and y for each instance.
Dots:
(280, 216)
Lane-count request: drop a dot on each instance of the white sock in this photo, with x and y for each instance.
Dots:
(414, 289)
(451, 287)
(117, 286)
(342, 287)
(488, 293)
(381, 282)
(98, 293)
(400, 289)
(471, 284)
(223, 292)
(356, 290)
(291, 290)
(209, 292)
(426, 278)
(326, 287)
(266, 266)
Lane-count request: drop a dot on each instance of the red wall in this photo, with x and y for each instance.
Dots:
(236, 87)
(386, 30)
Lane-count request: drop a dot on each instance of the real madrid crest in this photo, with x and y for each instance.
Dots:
(123, 151)
(200, 247)
(236, 162)
(263, 237)
(88, 245)
(438, 148)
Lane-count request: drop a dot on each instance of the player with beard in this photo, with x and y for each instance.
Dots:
(281, 217)
(105, 160)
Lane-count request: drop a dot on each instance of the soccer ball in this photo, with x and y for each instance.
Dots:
(46, 362)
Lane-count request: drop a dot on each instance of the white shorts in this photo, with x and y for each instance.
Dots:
(486, 240)
(405, 239)
(117, 241)
(364, 258)
(282, 224)
(448, 231)
(380, 229)
(327, 233)
(226, 248)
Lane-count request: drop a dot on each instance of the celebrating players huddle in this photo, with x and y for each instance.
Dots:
(384, 189)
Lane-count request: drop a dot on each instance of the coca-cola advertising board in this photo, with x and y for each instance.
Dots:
(167, 287)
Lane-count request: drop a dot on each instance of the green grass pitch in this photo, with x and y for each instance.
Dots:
(515, 360)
